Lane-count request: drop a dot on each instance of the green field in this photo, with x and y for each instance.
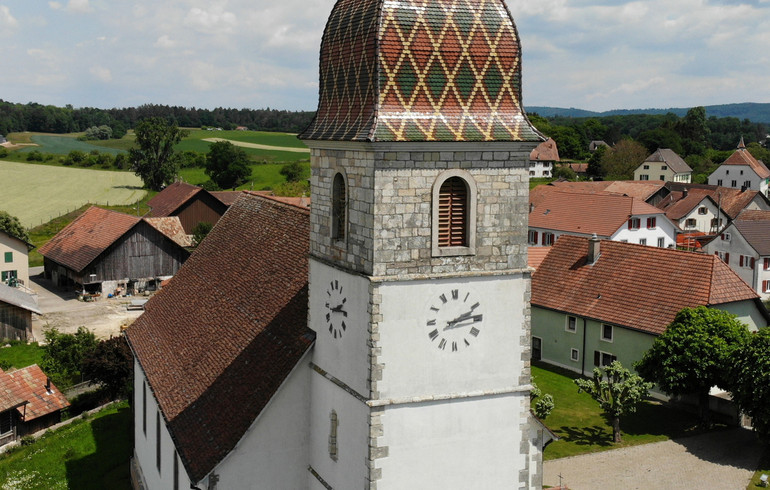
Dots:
(263, 176)
(258, 137)
(40, 193)
(63, 144)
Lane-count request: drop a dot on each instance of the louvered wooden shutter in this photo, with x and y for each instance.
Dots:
(740, 261)
(339, 218)
(752, 262)
(727, 258)
(453, 214)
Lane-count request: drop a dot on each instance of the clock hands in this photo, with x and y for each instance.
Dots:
(461, 320)
(338, 309)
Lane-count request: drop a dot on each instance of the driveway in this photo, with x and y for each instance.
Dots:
(717, 460)
(61, 309)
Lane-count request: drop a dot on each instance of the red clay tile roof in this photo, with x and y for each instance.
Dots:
(217, 342)
(171, 226)
(654, 285)
(445, 70)
(536, 255)
(742, 156)
(602, 214)
(301, 202)
(677, 205)
(29, 384)
(227, 197)
(732, 201)
(670, 158)
(640, 189)
(171, 198)
(90, 234)
(546, 151)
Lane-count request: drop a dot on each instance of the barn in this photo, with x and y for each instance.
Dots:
(16, 308)
(102, 250)
(191, 204)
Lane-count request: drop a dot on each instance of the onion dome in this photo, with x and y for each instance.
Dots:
(420, 70)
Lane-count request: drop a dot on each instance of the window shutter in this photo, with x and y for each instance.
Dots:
(767, 263)
(535, 237)
(630, 227)
(597, 358)
(753, 262)
(722, 236)
(727, 257)
(453, 214)
(764, 286)
(740, 261)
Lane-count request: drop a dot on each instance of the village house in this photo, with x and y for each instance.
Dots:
(543, 159)
(744, 245)
(191, 204)
(105, 251)
(337, 346)
(16, 309)
(554, 213)
(14, 260)
(29, 402)
(587, 313)
(664, 165)
(742, 171)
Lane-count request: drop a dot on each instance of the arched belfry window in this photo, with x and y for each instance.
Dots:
(339, 208)
(454, 214)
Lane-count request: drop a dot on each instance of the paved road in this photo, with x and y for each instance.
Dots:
(724, 460)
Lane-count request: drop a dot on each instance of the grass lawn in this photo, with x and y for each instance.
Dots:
(263, 176)
(20, 354)
(764, 465)
(87, 454)
(578, 421)
(259, 137)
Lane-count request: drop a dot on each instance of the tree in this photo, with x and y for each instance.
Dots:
(227, 165)
(111, 364)
(12, 226)
(595, 169)
(200, 231)
(618, 392)
(694, 131)
(543, 405)
(155, 160)
(294, 171)
(620, 161)
(750, 376)
(694, 353)
(63, 353)
(565, 172)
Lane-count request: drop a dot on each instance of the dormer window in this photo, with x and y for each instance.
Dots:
(454, 214)
(702, 210)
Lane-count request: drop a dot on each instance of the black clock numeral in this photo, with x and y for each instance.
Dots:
(455, 293)
(466, 297)
(474, 331)
(335, 333)
(467, 344)
(344, 327)
(328, 316)
(454, 346)
(433, 308)
(331, 329)
(443, 298)
(442, 344)
(431, 323)
(433, 335)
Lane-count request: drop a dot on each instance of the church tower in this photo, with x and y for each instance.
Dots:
(419, 286)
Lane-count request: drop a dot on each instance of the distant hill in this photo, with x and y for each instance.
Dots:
(758, 113)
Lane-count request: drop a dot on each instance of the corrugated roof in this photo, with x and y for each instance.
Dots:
(171, 198)
(17, 297)
(655, 283)
(217, 342)
(670, 158)
(602, 214)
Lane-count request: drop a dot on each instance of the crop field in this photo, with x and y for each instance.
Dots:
(38, 193)
(63, 144)
(196, 142)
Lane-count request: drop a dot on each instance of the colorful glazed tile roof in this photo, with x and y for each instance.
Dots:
(420, 70)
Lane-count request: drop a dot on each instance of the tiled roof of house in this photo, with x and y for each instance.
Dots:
(655, 283)
(171, 226)
(754, 226)
(536, 255)
(217, 342)
(302, 202)
(677, 205)
(171, 198)
(602, 214)
(547, 151)
(445, 70)
(90, 234)
(742, 156)
(670, 158)
(29, 384)
(640, 189)
(227, 197)
(732, 201)
(17, 297)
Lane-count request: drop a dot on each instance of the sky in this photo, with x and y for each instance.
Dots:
(588, 54)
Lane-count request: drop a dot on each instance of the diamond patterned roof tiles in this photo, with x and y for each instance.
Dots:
(420, 70)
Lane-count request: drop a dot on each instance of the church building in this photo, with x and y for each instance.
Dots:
(381, 339)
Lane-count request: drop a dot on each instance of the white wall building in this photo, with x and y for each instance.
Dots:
(742, 170)
(664, 165)
(14, 260)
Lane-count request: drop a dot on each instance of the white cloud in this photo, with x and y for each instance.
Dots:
(102, 74)
(55, 5)
(81, 6)
(165, 42)
(213, 20)
(7, 21)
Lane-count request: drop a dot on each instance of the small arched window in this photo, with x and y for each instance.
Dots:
(334, 422)
(339, 208)
(453, 213)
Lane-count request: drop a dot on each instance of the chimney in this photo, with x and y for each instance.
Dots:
(531, 207)
(593, 249)
(684, 192)
(48, 384)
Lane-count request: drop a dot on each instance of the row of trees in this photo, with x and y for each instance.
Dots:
(51, 119)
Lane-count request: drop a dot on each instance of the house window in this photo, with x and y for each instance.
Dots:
(574, 355)
(339, 208)
(646, 167)
(537, 348)
(603, 359)
(690, 223)
(747, 184)
(454, 214)
(734, 183)
(642, 241)
(644, 177)
(715, 223)
(727, 172)
(719, 182)
(741, 172)
(531, 173)
(725, 237)
(571, 324)
(663, 167)
(144, 407)
(702, 210)
(607, 331)
(157, 440)
(333, 435)
(746, 262)
(8, 257)
(6, 422)
(8, 277)
(634, 223)
(662, 177)
(661, 242)
(548, 239)
(767, 264)
(532, 237)
(766, 286)
(652, 223)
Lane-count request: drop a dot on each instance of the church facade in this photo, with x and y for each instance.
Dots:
(412, 367)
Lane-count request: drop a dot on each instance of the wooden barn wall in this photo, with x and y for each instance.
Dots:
(142, 252)
(15, 322)
(204, 207)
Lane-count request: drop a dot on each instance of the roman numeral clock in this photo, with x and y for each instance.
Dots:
(455, 319)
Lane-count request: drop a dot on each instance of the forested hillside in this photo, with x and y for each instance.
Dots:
(752, 111)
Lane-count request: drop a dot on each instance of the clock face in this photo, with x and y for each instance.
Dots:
(336, 309)
(454, 320)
